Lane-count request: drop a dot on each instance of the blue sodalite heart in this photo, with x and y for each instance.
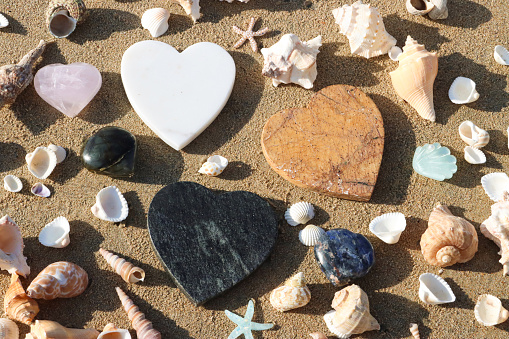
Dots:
(344, 255)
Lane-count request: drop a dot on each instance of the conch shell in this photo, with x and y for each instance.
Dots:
(496, 228)
(143, 327)
(125, 269)
(17, 305)
(11, 248)
(413, 79)
(46, 329)
(448, 239)
(293, 294)
(8, 329)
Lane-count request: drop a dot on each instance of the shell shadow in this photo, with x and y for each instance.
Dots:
(466, 14)
(14, 26)
(179, 23)
(505, 325)
(13, 156)
(412, 239)
(462, 298)
(236, 170)
(67, 169)
(321, 298)
(465, 169)
(137, 216)
(498, 142)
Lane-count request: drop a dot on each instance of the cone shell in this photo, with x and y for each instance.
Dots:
(110, 205)
(473, 135)
(8, 329)
(11, 248)
(41, 162)
(17, 305)
(414, 329)
(293, 294)
(299, 213)
(12, 183)
(495, 184)
(310, 234)
(111, 331)
(46, 329)
(489, 310)
(125, 269)
(143, 327)
(214, 166)
(73, 12)
(156, 21)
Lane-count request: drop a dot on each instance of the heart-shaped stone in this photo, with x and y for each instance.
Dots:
(209, 242)
(333, 146)
(68, 88)
(177, 95)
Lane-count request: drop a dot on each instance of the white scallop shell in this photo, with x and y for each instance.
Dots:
(41, 162)
(12, 183)
(59, 152)
(8, 329)
(299, 213)
(474, 155)
(388, 227)
(214, 166)
(440, 10)
(426, 4)
(40, 190)
(463, 91)
(156, 21)
(56, 233)
(501, 55)
(473, 135)
(3, 21)
(310, 234)
(489, 310)
(434, 290)
(394, 53)
(110, 205)
(495, 184)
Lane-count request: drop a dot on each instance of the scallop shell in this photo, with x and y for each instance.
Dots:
(11, 248)
(17, 305)
(62, 16)
(419, 7)
(125, 269)
(8, 329)
(3, 21)
(12, 183)
(462, 91)
(495, 184)
(56, 233)
(299, 213)
(434, 161)
(111, 331)
(310, 234)
(473, 135)
(293, 294)
(142, 326)
(60, 152)
(192, 8)
(434, 290)
(41, 162)
(364, 28)
(440, 10)
(110, 205)
(388, 227)
(474, 156)
(214, 166)
(501, 55)
(394, 53)
(156, 21)
(40, 190)
(489, 310)
(414, 329)
(45, 329)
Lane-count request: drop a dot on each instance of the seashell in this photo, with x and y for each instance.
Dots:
(61, 279)
(495, 184)
(143, 327)
(463, 91)
(15, 78)
(414, 329)
(388, 227)
(501, 55)
(40, 190)
(419, 7)
(299, 213)
(434, 161)
(110, 205)
(293, 294)
(473, 135)
(440, 10)
(111, 331)
(317, 335)
(489, 310)
(214, 166)
(448, 239)
(292, 61)
(11, 248)
(364, 28)
(496, 228)
(59, 152)
(434, 290)
(125, 269)
(46, 329)
(310, 234)
(394, 53)
(192, 8)
(17, 305)
(62, 16)
(474, 155)
(3, 21)
(8, 329)
(12, 183)
(351, 313)
(56, 233)
(156, 21)
(41, 162)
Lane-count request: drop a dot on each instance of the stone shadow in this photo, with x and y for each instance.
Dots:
(13, 156)
(466, 14)
(412, 240)
(67, 169)
(14, 26)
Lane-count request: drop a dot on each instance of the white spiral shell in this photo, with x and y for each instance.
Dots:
(310, 234)
(156, 21)
(299, 213)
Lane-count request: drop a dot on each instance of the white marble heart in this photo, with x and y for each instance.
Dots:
(177, 95)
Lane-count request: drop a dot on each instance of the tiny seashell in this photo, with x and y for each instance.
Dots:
(12, 183)
(11, 248)
(501, 55)
(60, 152)
(214, 166)
(299, 213)
(434, 161)
(125, 269)
(56, 233)
(111, 331)
(434, 290)
(489, 310)
(496, 229)
(293, 294)
(394, 53)
(462, 91)
(45, 329)
(192, 8)
(156, 21)
(61, 279)
(419, 7)
(310, 234)
(3, 21)
(41, 162)
(110, 205)
(8, 329)
(17, 304)
(388, 227)
(317, 335)
(62, 16)
(474, 155)
(495, 184)
(414, 329)
(440, 10)
(40, 190)
(473, 135)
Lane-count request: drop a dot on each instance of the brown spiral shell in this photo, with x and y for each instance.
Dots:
(61, 279)
(125, 269)
(143, 327)
(76, 8)
(17, 305)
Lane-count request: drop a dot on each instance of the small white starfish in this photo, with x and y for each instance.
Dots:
(245, 325)
(249, 35)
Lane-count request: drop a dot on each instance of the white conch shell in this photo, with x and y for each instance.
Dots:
(414, 329)
(292, 61)
(496, 228)
(474, 155)
(434, 290)
(394, 53)
(440, 10)
(495, 184)
(192, 8)
(462, 91)
(473, 135)
(3, 21)
(156, 21)
(419, 7)
(489, 310)
(299, 213)
(8, 328)
(110, 205)
(11, 248)
(310, 234)
(56, 233)
(214, 166)
(41, 162)
(125, 269)
(501, 55)
(59, 152)
(111, 331)
(364, 28)
(388, 227)
(293, 294)
(12, 183)
(40, 190)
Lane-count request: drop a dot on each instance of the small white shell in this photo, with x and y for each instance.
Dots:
(440, 10)
(426, 6)
(110, 205)
(41, 162)
(8, 329)
(473, 135)
(40, 190)
(394, 53)
(3, 21)
(388, 227)
(214, 166)
(463, 91)
(112, 332)
(59, 152)
(474, 155)
(310, 234)
(56, 233)
(501, 55)
(156, 21)
(434, 290)
(299, 213)
(12, 183)
(495, 184)
(489, 310)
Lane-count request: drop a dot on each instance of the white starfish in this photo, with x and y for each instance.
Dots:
(245, 325)
(249, 35)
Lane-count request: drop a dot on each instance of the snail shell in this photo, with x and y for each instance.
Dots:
(62, 16)
(17, 305)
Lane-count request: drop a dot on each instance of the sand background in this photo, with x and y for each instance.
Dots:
(464, 43)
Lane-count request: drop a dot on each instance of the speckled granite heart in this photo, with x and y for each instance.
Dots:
(209, 242)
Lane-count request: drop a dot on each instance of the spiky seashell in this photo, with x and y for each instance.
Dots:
(474, 155)
(12, 183)
(46, 329)
(17, 305)
(142, 326)
(125, 269)
(60, 152)
(56, 233)
(293, 294)
(292, 61)
(434, 290)
(62, 16)
(41, 162)
(434, 161)
(419, 7)
(489, 310)
(501, 55)
(394, 53)
(214, 166)
(156, 21)
(8, 329)
(388, 227)
(40, 190)
(317, 335)
(299, 213)
(61, 279)
(11, 248)
(111, 331)
(496, 228)
(462, 91)
(440, 10)
(448, 239)
(310, 234)
(110, 205)
(3, 21)
(15, 78)
(495, 185)
(473, 135)
(414, 329)
(192, 8)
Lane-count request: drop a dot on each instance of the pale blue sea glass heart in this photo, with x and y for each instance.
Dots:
(434, 161)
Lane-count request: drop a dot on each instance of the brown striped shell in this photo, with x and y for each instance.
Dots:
(76, 8)
(293, 294)
(143, 327)
(17, 305)
(125, 269)
(61, 279)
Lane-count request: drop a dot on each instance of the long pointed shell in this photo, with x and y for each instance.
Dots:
(143, 327)
(388, 227)
(56, 233)
(125, 269)
(17, 305)
(473, 135)
(474, 155)
(501, 55)
(46, 329)
(156, 21)
(12, 183)
(192, 8)
(41, 162)
(489, 310)
(62, 16)
(8, 329)
(434, 290)
(111, 331)
(110, 205)
(462, 91)
(299, 213)
(3, 21)
(495, 184)
(414, 329)
(293, 294)
(310, 234)
(11, 248)
(419, 7)
(440, 10)
(434, 161)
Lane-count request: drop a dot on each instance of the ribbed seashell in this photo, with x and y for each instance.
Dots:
(8, 329)
(17, 305)
(12, 183)
(60, 152)
(351, 313)
(434, 290)
(11, 248)
(40, 190)
(214, 166)
(388, 227)
(317, 335)
(111, 331)
(474, 155)
(501, 55)
(192, 8)
(413, 79)
(495, 184)
(41, 162)
(3, 21)
(15, 78)
(440, 10)
(110, 205)
(46, 329)
(364, 28)
(156, 21)
(125, 269)
(419, 7)
(394, 53)
(462, 91)
(61, 279)
(62, 16)
(292, 61)
(310, 234)
(496, 228)
(56, 233)
(448, 239)
(489, 310)
(414, 329)
(142, 326)
(299, 213)
(473, 135)
(293, 294)
(434, 161)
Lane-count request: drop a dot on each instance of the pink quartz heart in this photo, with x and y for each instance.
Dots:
(68, 88)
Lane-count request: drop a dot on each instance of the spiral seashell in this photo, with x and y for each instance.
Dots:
(62, 16)
(46, 329)
(156, 21)
(11, 248)
(310, 235)
(414, 329)
(60, 152)
(125, 269)
(474, 155)
(41, 162)
(8, 329)
(293, 294)
(110, 205)
(111, 331)
(214, 166)
(12, 183)
(3, 21)
(17, 305)
(501, 55)
(434, 290)
(473, 135)
(299, 213)
(440, 10)
(434, 161)
(419, 7)
(143, 327)
(496, 228)
(489, 310)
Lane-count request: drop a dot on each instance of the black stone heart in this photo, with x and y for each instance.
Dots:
(209, 242)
